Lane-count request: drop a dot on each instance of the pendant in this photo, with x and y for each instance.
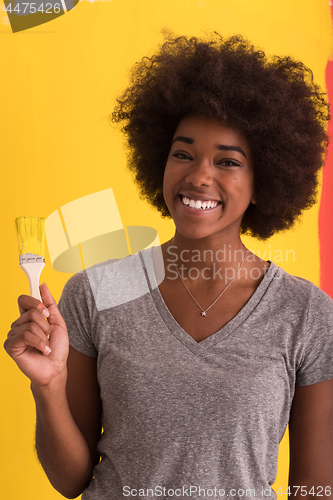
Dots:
(203, 313)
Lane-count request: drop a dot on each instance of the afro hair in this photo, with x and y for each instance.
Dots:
(274, 103)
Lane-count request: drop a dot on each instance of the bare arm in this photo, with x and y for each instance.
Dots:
(311, 441)
(69, 426)
(66, 435)
(83, 395)
(61, 447)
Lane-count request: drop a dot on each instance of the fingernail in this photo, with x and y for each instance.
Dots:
(48, 336)
(47, 350)
(45, 313)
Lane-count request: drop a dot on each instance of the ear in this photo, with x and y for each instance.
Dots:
(254, 201)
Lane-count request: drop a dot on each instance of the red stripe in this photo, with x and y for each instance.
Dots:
(326, 203)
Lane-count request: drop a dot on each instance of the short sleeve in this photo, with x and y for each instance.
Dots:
(76, 307)
(317, 351)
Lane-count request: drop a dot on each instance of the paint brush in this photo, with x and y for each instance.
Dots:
(31, 236)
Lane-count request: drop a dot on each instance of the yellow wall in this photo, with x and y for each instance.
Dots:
(58, 83)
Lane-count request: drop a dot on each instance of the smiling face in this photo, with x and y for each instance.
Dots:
(208, 178)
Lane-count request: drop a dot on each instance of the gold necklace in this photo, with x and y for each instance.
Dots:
(204, 311)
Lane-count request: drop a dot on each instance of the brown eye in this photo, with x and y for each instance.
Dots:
(228, 163)
(182, 156)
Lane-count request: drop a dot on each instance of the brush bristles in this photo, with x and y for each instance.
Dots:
(31, 235)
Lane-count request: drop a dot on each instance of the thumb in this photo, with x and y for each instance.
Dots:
(55, 317)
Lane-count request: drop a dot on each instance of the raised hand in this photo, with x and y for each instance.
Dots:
(38, 340)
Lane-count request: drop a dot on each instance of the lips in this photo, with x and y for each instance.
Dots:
(198, 197)
(198, 206)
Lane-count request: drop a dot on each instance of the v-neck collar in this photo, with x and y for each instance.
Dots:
(174, 327)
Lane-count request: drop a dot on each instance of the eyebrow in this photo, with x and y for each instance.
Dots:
(222, 147)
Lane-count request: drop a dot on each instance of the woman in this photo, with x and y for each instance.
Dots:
(194, 376)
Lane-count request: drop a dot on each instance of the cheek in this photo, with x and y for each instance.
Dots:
(167, 185)
(251, 185)
(171, 178)
(242, 188)
(246, 182)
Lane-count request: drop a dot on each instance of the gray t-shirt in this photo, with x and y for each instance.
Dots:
(183, 419)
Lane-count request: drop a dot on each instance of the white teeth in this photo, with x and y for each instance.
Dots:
(199, 205)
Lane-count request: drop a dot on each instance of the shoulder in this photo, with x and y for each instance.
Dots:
(298, 301)
(299, 290)
(78, 291)
(114, 282)
(99, 273)
(76, 283)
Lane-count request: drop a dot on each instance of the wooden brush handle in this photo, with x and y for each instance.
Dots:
(33, 271)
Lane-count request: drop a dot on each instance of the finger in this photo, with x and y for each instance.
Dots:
(55, 317)
(26, 338)
(36, 315)
(25, 302)
(29, 327)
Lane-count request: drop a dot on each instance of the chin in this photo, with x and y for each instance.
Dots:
(193, 233)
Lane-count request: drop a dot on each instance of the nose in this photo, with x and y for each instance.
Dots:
(200, 174)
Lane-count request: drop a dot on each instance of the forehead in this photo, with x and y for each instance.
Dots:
(210, 131)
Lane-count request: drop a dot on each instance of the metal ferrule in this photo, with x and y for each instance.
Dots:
(27, 258)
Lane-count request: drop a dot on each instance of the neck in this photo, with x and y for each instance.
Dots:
(214, 256)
